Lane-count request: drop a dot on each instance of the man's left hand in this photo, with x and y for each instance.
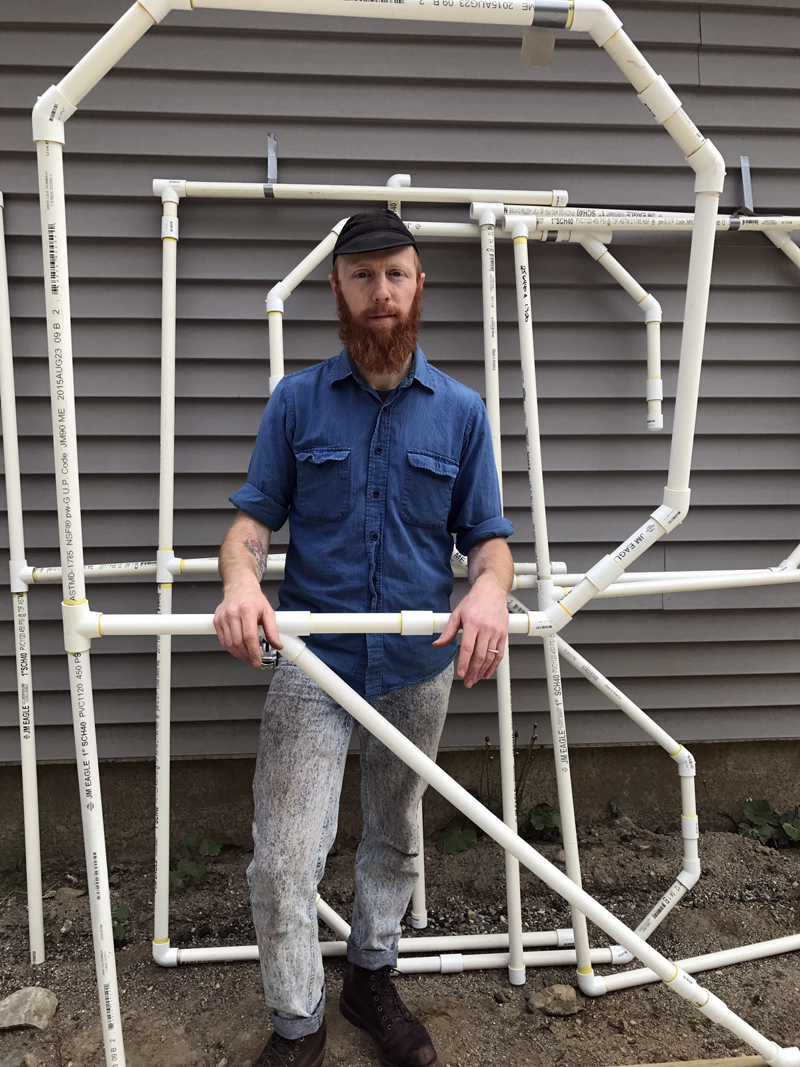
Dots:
(482, 616)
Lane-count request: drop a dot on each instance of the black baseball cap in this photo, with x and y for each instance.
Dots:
(371, 231)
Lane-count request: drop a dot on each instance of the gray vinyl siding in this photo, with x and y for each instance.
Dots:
(355, 101)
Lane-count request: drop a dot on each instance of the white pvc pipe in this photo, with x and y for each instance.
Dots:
(782, 240)
(163, 751)
(709, 962)
(687, 392)
(530, 405)
(19, 605)
(543, 220)
(652, 314)
(507, 13)
(41, 575)
(108, 51)
(414, 194)
(689, 585)
(62, 391)
(166, 482)
(528, 581)
(678, 981)
(505, 724)
(419, 910)
(566, 805)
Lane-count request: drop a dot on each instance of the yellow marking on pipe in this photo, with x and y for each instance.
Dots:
(400, 620)
(561, 605)
(654, 378)
(274, 313)
(175, 239)
(517, 581)
(138, 4)
(33, 574)
(565, 589)
(677, 750)
(685, 816)
(75, 603)
(520, 240)
(165, 548)
(672, 979)
(99, 627)
(617, 563)
(165, 585)
(570, 14)
(584, 970)
(643, 298)
(183, 566)
(161, 941)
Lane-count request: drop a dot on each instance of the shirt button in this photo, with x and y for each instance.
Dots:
(374, 537)
(378, 451)
(375, 492)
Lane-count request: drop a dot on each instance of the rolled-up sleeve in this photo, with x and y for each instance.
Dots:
(271, 477)
(475, 510)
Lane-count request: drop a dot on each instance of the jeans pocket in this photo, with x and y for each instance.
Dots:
(427, 489)
(323, 483)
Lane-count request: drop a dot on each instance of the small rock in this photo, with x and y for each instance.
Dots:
(32, 1006)
(223, 1062)
(556, 1000)
(501, 996)
(69, 892)
(561, 856)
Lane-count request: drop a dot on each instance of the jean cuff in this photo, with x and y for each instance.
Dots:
(372, 959)
(293, 1027)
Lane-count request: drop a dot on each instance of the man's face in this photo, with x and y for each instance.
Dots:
(378, 296)
(378, 287)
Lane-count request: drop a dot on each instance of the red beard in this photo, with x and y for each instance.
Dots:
(377, 347)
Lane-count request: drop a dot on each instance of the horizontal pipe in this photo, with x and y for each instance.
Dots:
(413, 194)
(41, 575)
(507, 13)
(288, 622)
(564, 220)
(710, 961)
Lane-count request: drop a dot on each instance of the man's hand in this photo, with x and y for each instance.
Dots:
(242, 563)
(482, 615)
(237, 619)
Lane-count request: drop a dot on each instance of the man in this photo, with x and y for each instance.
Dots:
(378, 461)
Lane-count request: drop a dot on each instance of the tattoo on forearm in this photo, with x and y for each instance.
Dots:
(256, 550)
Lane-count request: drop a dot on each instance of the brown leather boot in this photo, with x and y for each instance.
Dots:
(369, 1000)
(294, 1052)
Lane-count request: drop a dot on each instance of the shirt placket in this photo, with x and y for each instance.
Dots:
(377, 481)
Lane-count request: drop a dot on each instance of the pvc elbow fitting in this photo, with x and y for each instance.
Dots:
(591, 985)
(597, 19)
(50, 112)
(709, 166)
(162, 185)
(159, 9)
(651, 308)
(785, 1057)
(276, 297)
(163, 955)
(620, 955)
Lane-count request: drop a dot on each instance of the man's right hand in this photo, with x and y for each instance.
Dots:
(236, 621)
(242, 563)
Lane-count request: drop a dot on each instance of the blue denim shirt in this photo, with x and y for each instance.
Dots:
(375, 491)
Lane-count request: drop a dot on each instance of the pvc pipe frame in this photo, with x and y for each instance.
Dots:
(50, 113)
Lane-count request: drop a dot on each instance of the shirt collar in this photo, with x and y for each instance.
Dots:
(342, 367)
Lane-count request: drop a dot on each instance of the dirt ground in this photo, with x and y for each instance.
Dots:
(207, 1016)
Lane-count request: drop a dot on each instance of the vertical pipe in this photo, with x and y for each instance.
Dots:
(419, 910)
(491, 368)
(505, 724)
(698, 284)
(62, 393)
(19, 604)
(566, 806)
(166, 503)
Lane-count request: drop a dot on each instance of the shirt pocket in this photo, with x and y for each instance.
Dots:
(323, 483)
(427, 489)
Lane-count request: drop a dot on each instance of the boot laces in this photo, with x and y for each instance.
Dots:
(387, 999)
(281, 1051)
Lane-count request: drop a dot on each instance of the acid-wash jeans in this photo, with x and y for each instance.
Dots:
(301, 757)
